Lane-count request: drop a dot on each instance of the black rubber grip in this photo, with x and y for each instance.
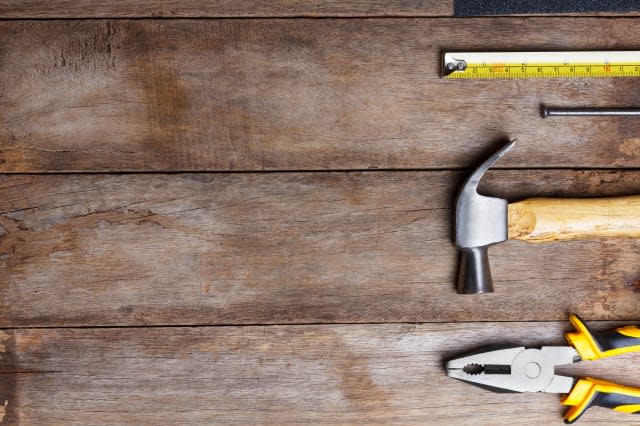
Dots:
(613, 400)
(589, 392)
(601, 344)
(612, 339)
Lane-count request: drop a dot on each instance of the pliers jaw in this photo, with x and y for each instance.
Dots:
(516, 369)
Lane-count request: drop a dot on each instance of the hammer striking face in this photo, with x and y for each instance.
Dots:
(480, 222)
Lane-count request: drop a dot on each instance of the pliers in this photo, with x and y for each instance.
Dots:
(520, 369)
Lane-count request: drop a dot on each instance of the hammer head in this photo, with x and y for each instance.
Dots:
(480, 222)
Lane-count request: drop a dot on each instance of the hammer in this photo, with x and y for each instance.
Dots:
(482, 221)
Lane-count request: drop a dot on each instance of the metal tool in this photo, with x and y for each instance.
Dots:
(567, 64)
(589, 112)
(519, 369)
(482, 221)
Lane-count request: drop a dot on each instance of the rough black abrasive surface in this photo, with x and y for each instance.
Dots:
(523, 7)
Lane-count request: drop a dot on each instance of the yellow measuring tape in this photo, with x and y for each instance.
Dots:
(581, 64)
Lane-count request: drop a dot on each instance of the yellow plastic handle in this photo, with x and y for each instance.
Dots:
(589, 392)
(595, 345)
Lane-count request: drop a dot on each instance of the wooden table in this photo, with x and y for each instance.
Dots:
(210, 219)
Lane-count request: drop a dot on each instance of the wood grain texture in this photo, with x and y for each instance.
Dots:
(337, 374)
(558, 219)
(220, 8)
(304, 94)
(21, 9)
(257, 248)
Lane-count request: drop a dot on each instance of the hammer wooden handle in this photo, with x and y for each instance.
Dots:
(556, 219)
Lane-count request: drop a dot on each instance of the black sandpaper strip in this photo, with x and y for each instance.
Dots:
(539, 7)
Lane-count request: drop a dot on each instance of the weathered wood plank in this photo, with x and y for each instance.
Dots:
(176, 95)
(25, 9)
(289, 248)
(339, 374)
(220, 8)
